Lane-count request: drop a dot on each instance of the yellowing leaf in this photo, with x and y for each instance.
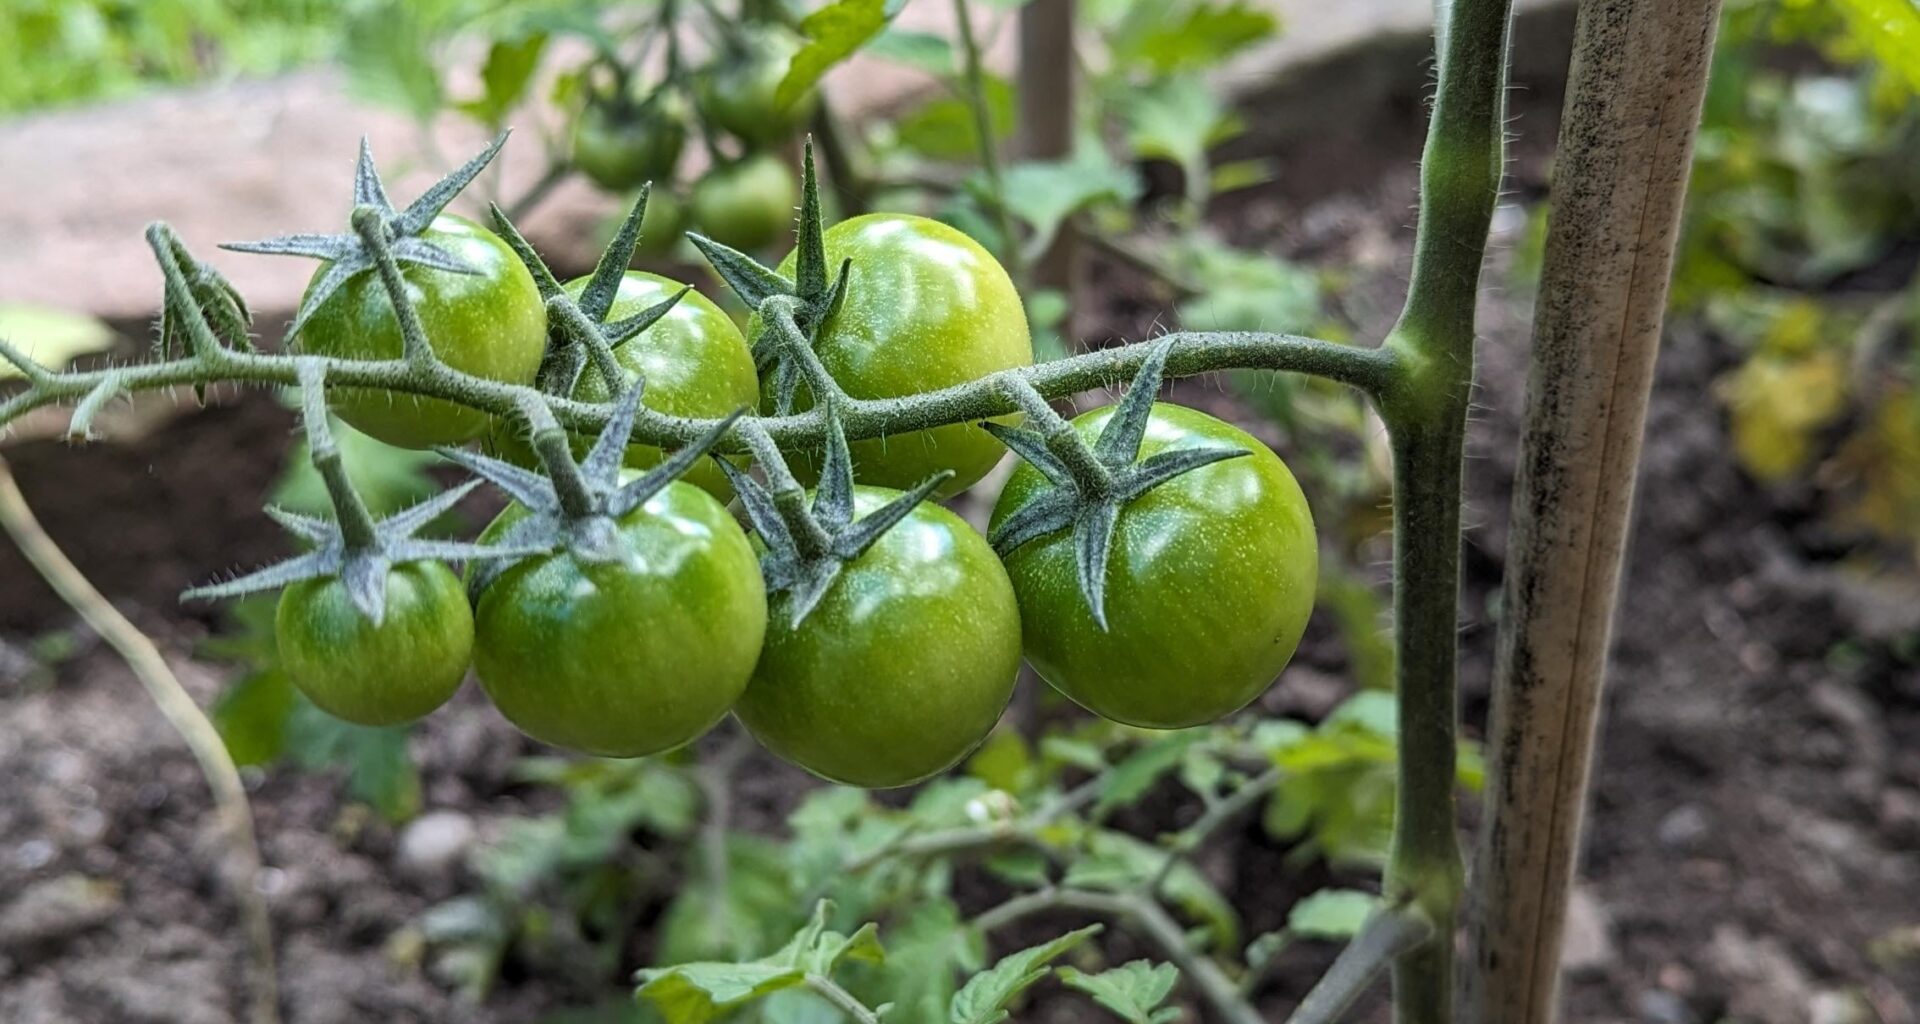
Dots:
(1779, 404)
(52, 337)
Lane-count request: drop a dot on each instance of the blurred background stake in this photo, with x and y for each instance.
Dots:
(1047, 67)
(1634, 96)
(242, 872)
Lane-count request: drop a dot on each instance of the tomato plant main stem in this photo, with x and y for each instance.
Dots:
(209, 750)
(1426, 413)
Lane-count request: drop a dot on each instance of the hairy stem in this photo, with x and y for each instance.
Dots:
(1426, 412)
(1386, 935)
(1370, 370)
(141, 656)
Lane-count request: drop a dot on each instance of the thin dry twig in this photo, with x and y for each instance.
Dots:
(229, 795)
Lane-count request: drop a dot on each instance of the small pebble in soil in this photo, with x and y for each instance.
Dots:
(34, 854)
(1658, 1006)
(434, 843)
(1684, 827)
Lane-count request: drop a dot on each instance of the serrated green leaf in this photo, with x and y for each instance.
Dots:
(386, 56)
(702, 992)
(1003, 761)
(1117, 862)
(1331, 914)
(1133, 991)
(1043, 195)
(1132, 778)
(833, 33)
(926, 953)
(923, 51)
(1180, 120)
(379, 768)
(252, 717)
(943, 128)
(51, 337)
(1170, 37)
(985, 996)
(504, 78)
(1241, 290)
(753, 910)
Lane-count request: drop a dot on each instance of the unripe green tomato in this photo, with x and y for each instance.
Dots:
(695, 363)
(1208, 587)
(620, 146)
(738, 92)
(926, 308)
(490, 324)
(628, 657)
(384, 673)
(903, 667)
(663, 225)
(748, 204)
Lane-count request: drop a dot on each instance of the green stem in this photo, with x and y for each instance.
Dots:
(1390, 932)
(844, 1001)
(975, 90)
(1425, 411)
(1370, 370)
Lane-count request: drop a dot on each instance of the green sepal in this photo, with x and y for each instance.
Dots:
(576, 506)
(347, 255)
(1091, 484)
(807, 546)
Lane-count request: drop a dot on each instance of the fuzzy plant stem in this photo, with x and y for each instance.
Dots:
(1369, 369)
(223, 778)
(1426, 412)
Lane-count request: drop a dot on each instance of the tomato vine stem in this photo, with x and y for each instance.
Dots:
(1425, 410)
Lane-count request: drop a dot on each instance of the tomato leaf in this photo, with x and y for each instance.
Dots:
(50, 337)
(1331, 914)
(984, 998)
(703, 992)
(1133, 991)
(1044, 195)
(504, 78)
(834, 33)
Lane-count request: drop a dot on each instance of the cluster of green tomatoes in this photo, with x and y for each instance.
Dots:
(901, 657)
(625, 137)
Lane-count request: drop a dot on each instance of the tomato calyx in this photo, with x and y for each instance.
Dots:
(808, 545)
(1091, 483)
(797, 312)
(349, 255)
(577, 504)
(353, 546)
(578, 330)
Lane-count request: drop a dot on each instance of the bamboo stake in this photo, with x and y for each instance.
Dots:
(1634, 95)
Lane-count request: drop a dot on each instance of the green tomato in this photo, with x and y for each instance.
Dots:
(490, 324)
(663, 224)
(694, 361)
(903, 667)
(926, 308)
(738, 91)
(620, 146)
(377, 673)
(1208, 587)
(748, 204)
(626, 658)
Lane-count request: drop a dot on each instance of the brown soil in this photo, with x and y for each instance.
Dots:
(1755, 814)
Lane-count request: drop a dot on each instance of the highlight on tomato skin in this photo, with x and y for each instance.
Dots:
(1209, 584)
(630, 656)
(490, 323)
(904, 666)
(926, 307)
